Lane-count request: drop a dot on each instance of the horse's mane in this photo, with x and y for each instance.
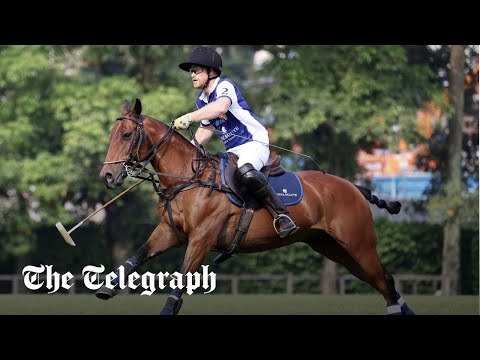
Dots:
(178, 135)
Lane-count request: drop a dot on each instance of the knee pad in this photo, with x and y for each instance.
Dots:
(253, 179)
(242, 170)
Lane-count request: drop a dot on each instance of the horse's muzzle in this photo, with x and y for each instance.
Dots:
(112, 180)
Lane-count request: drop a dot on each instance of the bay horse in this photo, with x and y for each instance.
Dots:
(334, 215)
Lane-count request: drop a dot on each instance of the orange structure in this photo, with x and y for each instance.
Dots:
(382, 162)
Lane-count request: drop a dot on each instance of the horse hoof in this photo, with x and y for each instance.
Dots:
(406, 310)
(166, 311)
(172, 307)
(105, 293)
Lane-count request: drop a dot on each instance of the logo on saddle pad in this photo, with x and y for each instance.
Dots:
(286, 193)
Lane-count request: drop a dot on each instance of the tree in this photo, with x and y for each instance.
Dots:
(451, 229)
(56, 114)
(332, 99)
(27, 132)
(435, 159)
(453, 153)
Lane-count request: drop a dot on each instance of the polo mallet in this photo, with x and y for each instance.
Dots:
(66, 234)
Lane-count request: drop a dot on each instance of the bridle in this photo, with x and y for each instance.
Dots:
(134, 165)
(140, 135)
(199, 164)
(133, 159)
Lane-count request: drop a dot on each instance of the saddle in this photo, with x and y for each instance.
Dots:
(240, 195)
(271, 168)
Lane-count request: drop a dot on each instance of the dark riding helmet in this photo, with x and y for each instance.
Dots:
(203, 56)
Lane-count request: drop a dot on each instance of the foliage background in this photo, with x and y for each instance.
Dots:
(59, 102)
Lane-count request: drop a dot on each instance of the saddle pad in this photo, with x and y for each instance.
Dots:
(287, 186)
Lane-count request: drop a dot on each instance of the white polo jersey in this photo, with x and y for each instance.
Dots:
(241, 120)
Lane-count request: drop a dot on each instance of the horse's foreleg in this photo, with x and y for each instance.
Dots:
(161, 240)
(196, 252)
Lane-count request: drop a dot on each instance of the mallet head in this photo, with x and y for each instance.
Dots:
(65, 234)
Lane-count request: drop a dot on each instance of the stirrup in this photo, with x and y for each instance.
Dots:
(288, 232)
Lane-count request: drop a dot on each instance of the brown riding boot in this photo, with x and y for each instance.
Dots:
(283, 223)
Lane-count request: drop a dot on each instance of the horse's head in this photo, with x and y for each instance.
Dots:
(126, 145)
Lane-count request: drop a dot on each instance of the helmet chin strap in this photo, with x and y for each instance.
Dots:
(209, 78)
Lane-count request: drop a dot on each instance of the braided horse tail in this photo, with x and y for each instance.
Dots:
(393, 207)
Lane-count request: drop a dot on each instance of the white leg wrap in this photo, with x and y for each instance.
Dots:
(393, 309)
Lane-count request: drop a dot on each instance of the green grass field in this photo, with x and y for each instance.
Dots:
(122, 304)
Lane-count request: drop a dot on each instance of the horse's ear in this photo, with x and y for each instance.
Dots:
(126, 107)
(138, 107)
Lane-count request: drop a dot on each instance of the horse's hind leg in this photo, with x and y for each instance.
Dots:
(379, 278)
(368, 269)
(400, 300)
(161, 240)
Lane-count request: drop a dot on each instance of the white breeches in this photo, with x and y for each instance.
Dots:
(252, 152)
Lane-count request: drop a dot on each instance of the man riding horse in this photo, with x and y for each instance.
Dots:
(334, 213)
(222, 108)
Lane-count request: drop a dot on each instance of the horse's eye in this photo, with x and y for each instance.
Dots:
(126, 136)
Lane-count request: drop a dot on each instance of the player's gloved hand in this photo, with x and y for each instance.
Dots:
(183, 122)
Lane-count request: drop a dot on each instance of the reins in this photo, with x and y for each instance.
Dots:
(199, 163)
(261, 142)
